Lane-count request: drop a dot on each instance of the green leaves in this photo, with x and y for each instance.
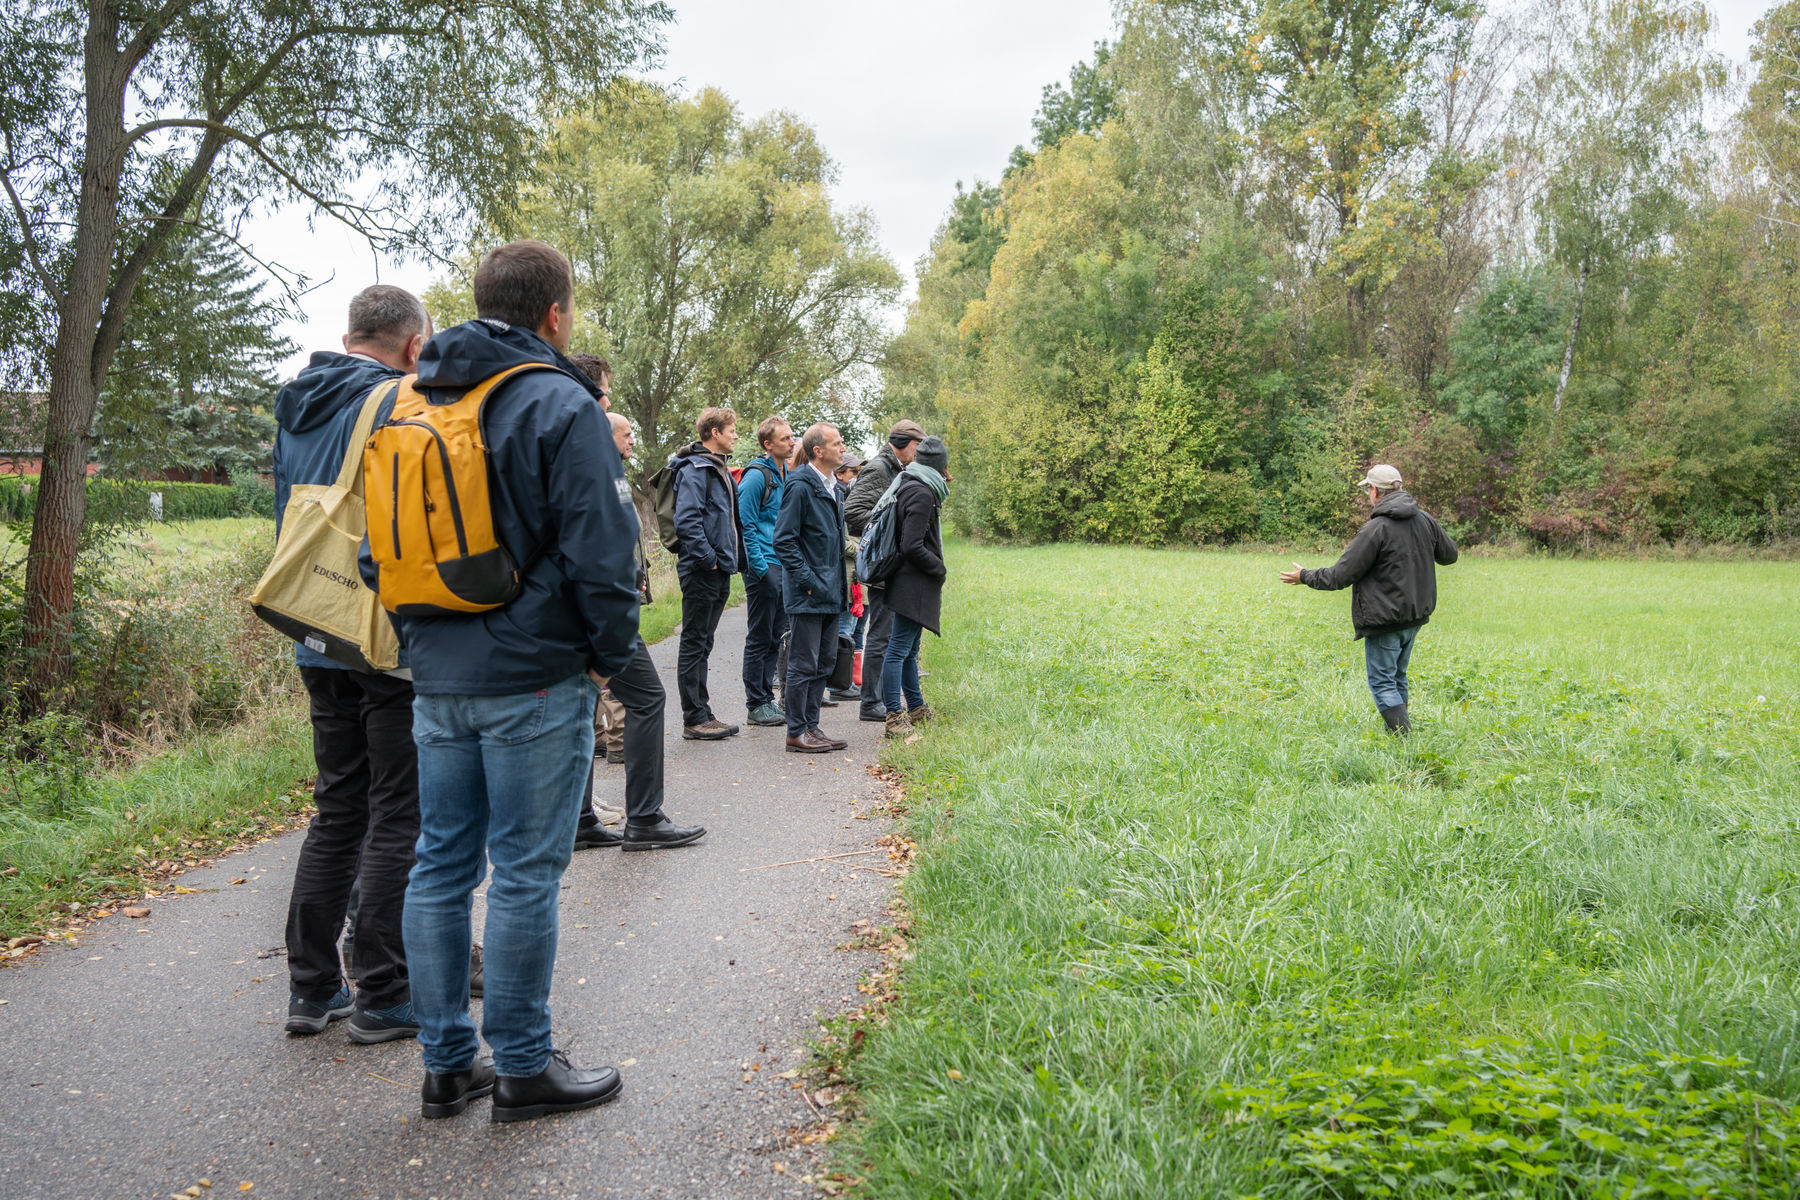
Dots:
(710, 265)
(1504, 1117)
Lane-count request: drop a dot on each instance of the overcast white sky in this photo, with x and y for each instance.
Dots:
(909, 98)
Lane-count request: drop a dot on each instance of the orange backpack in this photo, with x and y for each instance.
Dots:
(431, 521)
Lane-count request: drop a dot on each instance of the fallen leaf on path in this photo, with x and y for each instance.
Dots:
(237, 879)
(245, 1186)
(137, 912)
(30, 939)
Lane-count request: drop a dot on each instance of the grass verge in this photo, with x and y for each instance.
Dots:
(1185, 922)
(152, 818)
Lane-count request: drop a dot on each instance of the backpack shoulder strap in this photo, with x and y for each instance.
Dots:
(350, 475)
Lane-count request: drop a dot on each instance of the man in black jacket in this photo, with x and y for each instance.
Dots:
(712, 551)
(1389, 566)
(871, 484)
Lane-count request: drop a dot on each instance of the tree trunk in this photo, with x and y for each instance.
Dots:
(74, 375)
(1562, 384)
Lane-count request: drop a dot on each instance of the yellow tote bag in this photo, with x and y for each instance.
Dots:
(312, 590)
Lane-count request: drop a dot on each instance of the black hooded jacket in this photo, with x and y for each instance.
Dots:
(558, 494)
(1389, 563)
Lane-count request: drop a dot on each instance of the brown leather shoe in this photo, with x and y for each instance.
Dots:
(808, 743)
(834, 743)
(711, 730)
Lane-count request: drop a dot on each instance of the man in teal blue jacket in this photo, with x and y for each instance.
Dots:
(759, 503)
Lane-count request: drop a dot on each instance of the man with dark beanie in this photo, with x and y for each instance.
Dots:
(880, 471)
(1389, 566)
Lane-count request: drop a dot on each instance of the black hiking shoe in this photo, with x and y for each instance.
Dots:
(1396, 719)
(312, 1016)
(371, 1025)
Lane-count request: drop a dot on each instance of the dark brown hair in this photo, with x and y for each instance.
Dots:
(765, 433)
(521, 281)
(713, 419)
(593, 366)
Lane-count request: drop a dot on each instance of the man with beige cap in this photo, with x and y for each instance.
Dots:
(1389, 565)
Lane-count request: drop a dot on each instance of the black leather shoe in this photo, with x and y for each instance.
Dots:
(664, 835)
(595, 835)
(559, 1087)
(877, 714)
(448, 1094)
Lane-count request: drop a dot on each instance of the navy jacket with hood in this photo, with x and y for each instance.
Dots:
(809, 542)
(706, 511)
(316, 413)
(561, 508)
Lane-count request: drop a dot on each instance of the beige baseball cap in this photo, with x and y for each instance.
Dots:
(1382, 476)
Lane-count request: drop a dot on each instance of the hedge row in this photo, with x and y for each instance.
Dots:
(180, 501)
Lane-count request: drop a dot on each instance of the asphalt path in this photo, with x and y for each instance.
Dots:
(151, 1055)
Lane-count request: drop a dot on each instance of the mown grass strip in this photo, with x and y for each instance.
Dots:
(1187, 923)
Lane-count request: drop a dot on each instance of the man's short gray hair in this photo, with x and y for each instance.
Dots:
(813, 438)
(386, 315)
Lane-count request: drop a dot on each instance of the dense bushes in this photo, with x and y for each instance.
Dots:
(1190, 320)
(160, 650)
(180, 501)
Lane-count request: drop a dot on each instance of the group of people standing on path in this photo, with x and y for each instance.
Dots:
(789, 522)
(474, 754)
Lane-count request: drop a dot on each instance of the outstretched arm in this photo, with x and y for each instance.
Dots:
(1358, 557)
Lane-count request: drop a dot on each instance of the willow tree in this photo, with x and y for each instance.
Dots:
(711, 266)
(398, 117)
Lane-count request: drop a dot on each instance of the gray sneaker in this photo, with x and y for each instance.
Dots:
(766, 714)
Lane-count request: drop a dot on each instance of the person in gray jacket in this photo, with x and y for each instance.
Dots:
(1391, 565)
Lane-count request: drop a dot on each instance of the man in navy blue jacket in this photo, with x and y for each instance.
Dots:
(367, 789)
(809, 541)
(504, 716)
(712, 551)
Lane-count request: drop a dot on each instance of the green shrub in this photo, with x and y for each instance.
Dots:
(130, 499)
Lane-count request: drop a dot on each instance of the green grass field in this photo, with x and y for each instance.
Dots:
(1187, 923)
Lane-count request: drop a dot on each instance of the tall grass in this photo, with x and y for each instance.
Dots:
(1189, 923)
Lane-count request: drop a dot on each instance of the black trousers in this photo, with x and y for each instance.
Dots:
(367, 793)
(762, 642)
(640, 690)
(703, 597)
(875, 640)
(812, 653)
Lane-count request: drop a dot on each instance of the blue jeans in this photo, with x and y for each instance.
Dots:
(846, 623)
(900, 666)
(1386, 655)
(501, 778)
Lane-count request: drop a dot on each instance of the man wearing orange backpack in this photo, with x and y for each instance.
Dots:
(502, 534)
